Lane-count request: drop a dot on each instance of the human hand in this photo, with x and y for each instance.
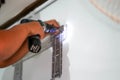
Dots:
(55, 24)
(36, 28)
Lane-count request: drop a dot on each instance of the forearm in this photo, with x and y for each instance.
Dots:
(23, 50)
(13, 38)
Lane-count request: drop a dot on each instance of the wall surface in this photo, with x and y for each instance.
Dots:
(91, 50)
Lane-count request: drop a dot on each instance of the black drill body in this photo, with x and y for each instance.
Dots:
(34, 42)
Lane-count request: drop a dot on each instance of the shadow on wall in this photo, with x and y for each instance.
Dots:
(42, 70)
(66, 63)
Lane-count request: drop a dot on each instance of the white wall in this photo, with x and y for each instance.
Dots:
(91, 51)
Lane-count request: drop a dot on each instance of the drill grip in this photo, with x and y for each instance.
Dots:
(34, 43)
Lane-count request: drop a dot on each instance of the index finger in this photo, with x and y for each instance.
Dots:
(53, 22)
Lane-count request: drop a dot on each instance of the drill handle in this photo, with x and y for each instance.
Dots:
(34, 42)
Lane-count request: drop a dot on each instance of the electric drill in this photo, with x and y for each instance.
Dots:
(34, 42)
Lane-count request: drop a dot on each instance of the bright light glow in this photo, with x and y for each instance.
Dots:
(67, 33)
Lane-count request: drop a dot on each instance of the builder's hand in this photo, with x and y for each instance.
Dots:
(36, 28)
(54, 23)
